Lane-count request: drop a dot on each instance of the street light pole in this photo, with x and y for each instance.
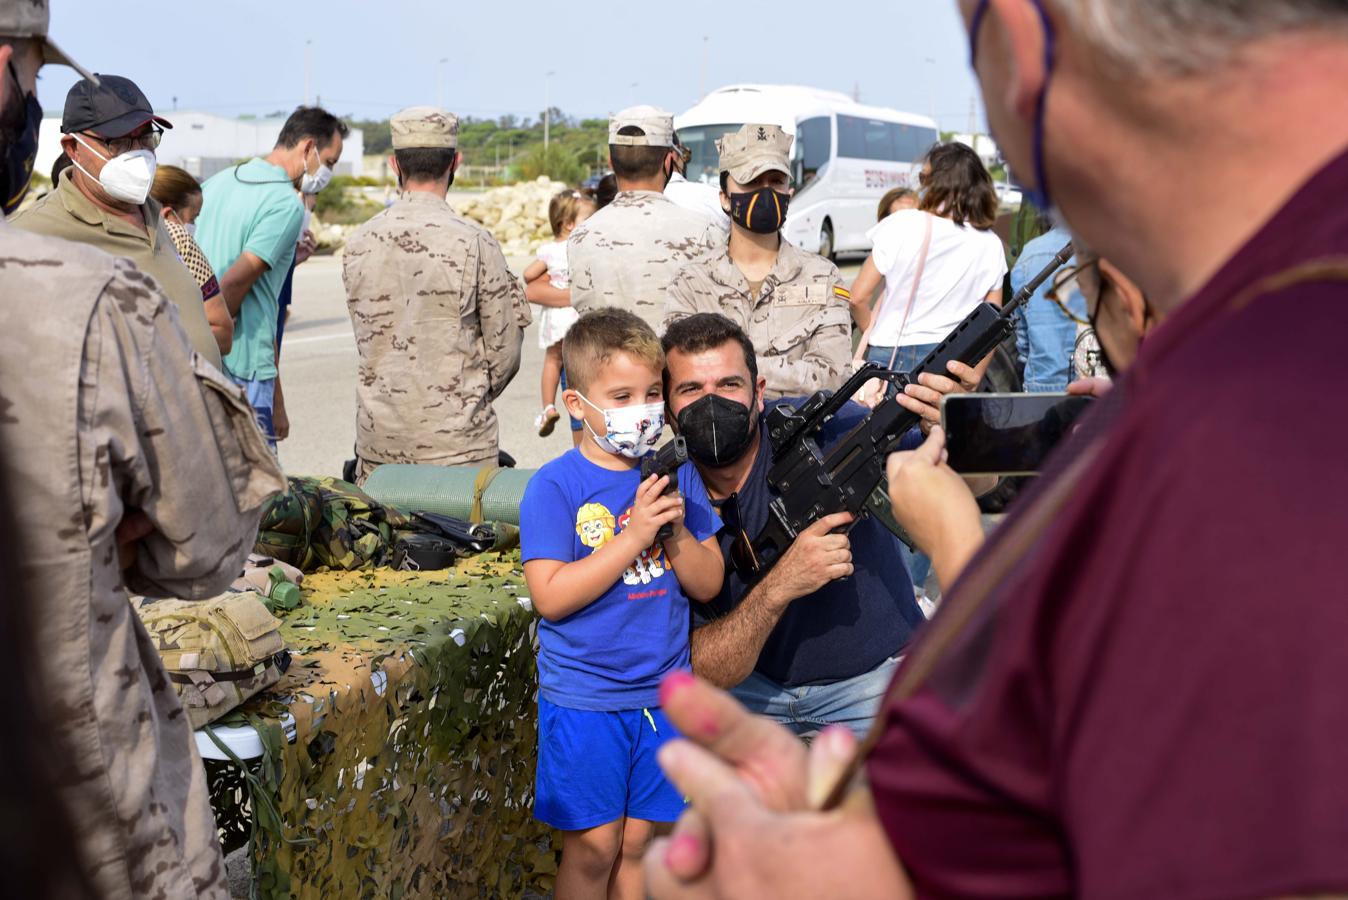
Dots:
(308, 71)
(440, 82)
(931, 87)
(547, 110)
(702, 74)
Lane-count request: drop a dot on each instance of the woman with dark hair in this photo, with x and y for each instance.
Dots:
(180, 195)
(936, 262)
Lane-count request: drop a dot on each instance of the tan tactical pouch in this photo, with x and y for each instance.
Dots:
(218, 652)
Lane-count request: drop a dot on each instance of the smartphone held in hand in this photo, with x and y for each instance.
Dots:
(1006, 434)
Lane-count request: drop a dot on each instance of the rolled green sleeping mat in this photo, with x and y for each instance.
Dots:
(451, 491)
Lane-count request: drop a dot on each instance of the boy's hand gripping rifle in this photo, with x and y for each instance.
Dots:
(810, 483)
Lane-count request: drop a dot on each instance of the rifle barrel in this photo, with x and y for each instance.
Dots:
(1025, 293)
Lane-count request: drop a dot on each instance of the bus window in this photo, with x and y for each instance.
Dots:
(814, 146)
(701, 140)
(888, 141)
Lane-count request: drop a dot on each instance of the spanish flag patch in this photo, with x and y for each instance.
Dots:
(842, 292)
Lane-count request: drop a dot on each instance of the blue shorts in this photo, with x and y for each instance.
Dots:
(597, 767)
(261, 394)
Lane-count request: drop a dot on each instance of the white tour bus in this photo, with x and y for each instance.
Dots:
(844, 157)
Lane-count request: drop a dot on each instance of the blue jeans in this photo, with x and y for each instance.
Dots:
(919, 565)
(805, 710)
(261, 396)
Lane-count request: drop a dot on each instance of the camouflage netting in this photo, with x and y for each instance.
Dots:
(424, 790)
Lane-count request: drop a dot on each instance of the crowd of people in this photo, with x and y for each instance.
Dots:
(1106, 703)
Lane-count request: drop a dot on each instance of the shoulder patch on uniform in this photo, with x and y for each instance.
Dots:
(842, 292)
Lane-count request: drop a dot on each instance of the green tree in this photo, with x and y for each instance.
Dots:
(557, 163)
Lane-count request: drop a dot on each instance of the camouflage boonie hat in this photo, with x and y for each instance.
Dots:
(424, 126)
(657, 127)
(753, 150)
(28, 19)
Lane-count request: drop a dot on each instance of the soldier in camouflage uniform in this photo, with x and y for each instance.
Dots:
(439, 318)
(790, 302)
(625, 254)
(137, 465)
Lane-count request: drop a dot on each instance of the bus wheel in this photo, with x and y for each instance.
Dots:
(826, 240)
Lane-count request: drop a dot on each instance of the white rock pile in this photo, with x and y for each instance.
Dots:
(516, 215)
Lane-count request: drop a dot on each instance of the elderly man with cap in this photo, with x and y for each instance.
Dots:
(626, 254)
(439, 318)
(136, 467)
(790, 302)
(110, 132)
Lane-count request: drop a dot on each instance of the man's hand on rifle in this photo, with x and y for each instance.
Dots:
(924, 397)
(814, 558)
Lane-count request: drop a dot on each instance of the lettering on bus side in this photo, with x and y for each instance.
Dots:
(882, 179)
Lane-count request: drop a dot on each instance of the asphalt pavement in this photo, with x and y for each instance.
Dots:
(318, 374)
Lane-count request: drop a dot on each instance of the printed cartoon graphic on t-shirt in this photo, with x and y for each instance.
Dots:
(595, 526)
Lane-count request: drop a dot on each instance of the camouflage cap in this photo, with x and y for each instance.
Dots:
(424, 126)
(753, 150)
(656, 124)
(28, 19)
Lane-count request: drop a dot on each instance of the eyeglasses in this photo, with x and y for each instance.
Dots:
(1087, 279)
(147, 140)
(742, 554)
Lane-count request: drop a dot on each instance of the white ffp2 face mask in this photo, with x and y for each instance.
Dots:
(632, 431)
(312, 184)
(126, 177)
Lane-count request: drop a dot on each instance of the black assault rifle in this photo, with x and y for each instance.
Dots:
(810, 483)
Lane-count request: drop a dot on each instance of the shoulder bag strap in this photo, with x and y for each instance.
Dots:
(860, 356)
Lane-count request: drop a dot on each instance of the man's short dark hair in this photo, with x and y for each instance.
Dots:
(424, 163)
(636, 163)
(311, 122)
(707, 331)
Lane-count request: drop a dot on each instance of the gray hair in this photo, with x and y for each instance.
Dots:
(1190, 35)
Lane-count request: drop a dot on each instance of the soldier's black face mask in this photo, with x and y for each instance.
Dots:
(718, 430)
(20, 121)
(762, 211)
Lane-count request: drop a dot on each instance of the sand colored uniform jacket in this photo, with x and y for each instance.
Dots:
(105, 409)
(439, 321)
(626, 254)
(799, 324)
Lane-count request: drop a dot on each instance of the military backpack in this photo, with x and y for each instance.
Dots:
(217, 652)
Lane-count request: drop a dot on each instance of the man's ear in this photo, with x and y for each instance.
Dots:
(1014, 31)
(1130, 295)
(759, 388)
(393, 167)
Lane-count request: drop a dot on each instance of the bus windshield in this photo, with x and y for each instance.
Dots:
(701, 140)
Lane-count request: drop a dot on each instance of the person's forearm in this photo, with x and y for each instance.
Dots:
(861, 311)
(544, 293)
(235, 284)
(699, 568)
(725, 651)
(577, 584)
(222, 325)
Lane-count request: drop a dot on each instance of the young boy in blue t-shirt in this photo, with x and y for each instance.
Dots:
(614, 602)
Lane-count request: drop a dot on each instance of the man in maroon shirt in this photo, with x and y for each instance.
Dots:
(1135, 689)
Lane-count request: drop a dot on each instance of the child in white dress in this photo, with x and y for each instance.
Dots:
(566, 210)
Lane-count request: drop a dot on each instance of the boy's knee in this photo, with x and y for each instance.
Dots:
(595, 850)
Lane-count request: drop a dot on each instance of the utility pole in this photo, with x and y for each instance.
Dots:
(931, 87)
(308, 71)
(973, 114)
(856, 92)
(440, 82)
(547, 111)
(702, 73)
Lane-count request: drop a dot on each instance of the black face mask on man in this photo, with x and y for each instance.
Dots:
(20, 122)
(762, 211)
(717, 430)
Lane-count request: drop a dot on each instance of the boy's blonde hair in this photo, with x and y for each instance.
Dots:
(600, 333)
(563, 209)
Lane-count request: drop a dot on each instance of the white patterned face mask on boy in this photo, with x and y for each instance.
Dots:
(631, 431)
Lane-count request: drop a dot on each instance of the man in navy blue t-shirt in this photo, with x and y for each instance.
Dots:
(816, 641)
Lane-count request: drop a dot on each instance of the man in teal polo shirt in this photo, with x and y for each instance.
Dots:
(249, 223)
